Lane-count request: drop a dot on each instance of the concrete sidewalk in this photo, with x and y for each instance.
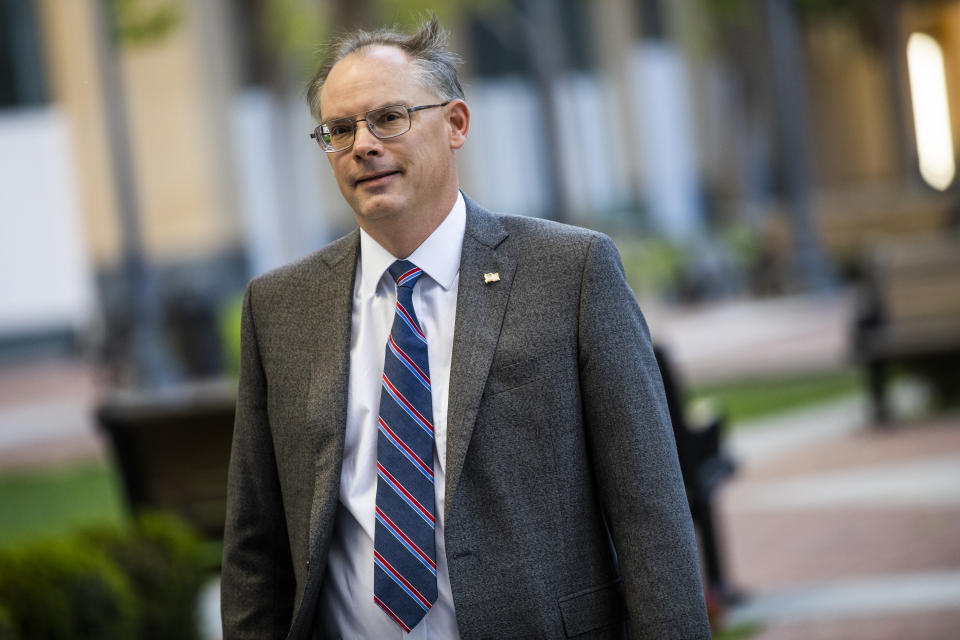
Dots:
(851, 537)
(46, 414)
(752, 339)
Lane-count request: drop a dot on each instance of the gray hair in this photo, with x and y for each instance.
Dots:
(435, 66)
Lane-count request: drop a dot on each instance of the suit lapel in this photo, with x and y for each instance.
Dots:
(328, 308)
(480, 309)
(328, 321)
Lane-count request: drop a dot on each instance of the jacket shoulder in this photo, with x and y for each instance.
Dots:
(549, 242)
(307, 269)
(548, 230)
(524, 233)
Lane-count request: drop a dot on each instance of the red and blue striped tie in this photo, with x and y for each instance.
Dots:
(405, 569)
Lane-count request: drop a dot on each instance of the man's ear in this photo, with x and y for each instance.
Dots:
(458, 123)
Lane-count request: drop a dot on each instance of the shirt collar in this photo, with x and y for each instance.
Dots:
(438, 255)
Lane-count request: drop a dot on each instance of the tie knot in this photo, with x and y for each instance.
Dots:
(405, 273)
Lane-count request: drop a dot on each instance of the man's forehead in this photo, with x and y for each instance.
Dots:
(376, 69)
(364, 63)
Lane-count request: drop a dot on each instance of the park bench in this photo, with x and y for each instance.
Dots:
(173, 449)
(910, 316)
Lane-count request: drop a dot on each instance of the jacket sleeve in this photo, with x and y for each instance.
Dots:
(634, 457)
(257, 583)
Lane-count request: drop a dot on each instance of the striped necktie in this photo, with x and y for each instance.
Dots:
(405, 570)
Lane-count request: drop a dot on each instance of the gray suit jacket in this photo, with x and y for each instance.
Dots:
(559, 444)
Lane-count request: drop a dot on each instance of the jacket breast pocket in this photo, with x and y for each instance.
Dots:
(592, 609)
(523, 372)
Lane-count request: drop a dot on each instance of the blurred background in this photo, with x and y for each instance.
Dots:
(780, 178)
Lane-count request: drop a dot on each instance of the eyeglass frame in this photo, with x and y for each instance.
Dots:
(316, 133)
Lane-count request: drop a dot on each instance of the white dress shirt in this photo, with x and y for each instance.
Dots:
(347, 608)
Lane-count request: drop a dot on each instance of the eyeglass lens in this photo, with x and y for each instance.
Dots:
(387, 122)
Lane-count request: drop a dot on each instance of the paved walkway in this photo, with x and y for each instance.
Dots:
(749, 339)
(853, 534)
(46, 414)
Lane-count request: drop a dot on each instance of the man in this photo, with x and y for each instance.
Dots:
(450, 423)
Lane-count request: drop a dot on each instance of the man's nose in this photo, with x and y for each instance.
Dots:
(364, 142)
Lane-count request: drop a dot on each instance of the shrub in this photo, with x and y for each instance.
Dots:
(139, 582)
(7, 631)
(165, 563)
(65, 590)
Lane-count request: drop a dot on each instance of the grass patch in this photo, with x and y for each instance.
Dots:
(759, 398)
(738, 632)
(50, 503)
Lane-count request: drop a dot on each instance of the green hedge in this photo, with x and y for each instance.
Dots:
(141, 582)
(6, 624)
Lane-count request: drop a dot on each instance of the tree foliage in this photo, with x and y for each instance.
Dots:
(137, 22)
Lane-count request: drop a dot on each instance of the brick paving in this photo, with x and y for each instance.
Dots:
(751, 339)
(61, 451)
(46, 414)
(44, 380)
(777, 550)
(825, 543)
(868, 447)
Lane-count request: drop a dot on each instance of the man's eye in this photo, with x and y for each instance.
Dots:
(389, 117)
(338, 129)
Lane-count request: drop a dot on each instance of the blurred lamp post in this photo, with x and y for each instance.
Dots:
(543, 35)
(789, 83)
(142, 358)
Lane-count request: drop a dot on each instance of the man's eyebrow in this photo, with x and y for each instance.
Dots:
(389, 103)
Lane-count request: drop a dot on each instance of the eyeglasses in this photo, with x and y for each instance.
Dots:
(385, 122)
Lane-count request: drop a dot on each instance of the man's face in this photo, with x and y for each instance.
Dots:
(397, 180)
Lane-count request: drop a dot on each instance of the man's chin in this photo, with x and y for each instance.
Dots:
(378, 207)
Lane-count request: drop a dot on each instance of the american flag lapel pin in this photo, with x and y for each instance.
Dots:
(491, 277)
